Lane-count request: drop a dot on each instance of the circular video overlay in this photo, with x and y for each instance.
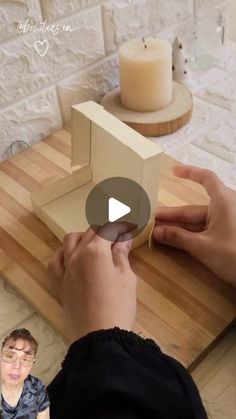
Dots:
(118, 204)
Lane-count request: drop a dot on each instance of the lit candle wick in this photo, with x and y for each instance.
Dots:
(145, 45)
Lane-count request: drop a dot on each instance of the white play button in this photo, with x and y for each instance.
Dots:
(121, 200)
(117, 210)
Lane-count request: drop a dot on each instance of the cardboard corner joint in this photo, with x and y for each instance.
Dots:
(102, 147)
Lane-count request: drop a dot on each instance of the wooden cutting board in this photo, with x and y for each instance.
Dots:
(181, 305)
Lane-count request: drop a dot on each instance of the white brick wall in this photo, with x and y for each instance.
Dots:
(54, 9)
(126, 19)
(12, 12)
(80, 64)
(92, 83)
(24, 71)
(208, 4)
(30, 120)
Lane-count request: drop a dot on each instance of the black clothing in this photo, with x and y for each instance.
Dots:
(115, 374)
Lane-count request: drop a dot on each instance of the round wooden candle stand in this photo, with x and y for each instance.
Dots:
(154, 124)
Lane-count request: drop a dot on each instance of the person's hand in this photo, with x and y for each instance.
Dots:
(207, 232)
(98, 287)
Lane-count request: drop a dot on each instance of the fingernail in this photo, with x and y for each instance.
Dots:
(127, 239)
(128, 244)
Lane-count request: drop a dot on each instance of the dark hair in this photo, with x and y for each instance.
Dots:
(24, 335)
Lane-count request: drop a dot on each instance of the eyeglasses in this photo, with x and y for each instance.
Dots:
(11, 358)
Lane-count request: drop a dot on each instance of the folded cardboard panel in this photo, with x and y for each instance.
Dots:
(107, 148)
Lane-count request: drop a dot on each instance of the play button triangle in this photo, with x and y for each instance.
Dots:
(117, 210)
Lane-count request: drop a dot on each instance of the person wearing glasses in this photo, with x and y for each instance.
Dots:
(22, 395)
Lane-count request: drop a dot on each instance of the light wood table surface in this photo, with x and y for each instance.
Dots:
(181, 305)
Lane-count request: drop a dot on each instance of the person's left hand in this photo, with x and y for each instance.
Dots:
(97, 285)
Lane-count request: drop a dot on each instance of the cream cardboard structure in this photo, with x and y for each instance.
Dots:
(102, 147)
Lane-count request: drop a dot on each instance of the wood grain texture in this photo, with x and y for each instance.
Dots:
(216, 379)
(154, 124)
(181, 305)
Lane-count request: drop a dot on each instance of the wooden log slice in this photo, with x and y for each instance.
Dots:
(154, 124)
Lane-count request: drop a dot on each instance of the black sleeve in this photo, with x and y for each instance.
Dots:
(115, 374)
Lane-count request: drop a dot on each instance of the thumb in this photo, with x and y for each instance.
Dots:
(120, 251)
(178, 237)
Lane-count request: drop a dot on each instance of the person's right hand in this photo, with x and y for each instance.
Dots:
(207, 232)
(97, 285)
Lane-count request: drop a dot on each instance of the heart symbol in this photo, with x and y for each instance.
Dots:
(41, 47)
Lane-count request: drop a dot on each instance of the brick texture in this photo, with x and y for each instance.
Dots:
(203, 5)
(30, 120)
(91, 84)
(23, 71)
(124, 20)
(12, 12)
(53, 9)
(38, 70)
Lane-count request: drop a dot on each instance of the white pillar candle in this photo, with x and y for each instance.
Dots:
(145, 74)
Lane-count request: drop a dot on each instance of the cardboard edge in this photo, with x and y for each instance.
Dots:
(61, 187)
(142, 237)
(53, 192)
(96, 114)
(80, 138)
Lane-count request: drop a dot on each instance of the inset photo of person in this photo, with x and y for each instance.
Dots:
(22, 395)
